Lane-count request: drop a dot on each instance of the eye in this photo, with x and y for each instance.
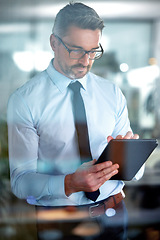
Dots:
(76, 53)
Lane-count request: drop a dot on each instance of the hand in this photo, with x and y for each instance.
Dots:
(129, 135)
(89, 177)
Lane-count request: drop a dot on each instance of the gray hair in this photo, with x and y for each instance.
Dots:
(79, 15)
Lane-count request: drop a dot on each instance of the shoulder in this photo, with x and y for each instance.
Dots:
(103, 84)
(34, 84)
(34, 88)
(30, 96)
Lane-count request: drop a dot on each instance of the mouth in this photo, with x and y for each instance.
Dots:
(80, 68)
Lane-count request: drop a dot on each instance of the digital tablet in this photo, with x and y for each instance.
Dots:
(130, 154)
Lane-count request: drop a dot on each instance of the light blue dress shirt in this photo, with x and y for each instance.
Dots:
(42, 137)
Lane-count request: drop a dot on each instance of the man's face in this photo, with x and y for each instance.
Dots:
(76, 39)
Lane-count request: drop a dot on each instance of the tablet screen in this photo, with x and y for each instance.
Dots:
(130, 154)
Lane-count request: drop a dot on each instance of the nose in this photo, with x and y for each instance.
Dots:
(84, 60)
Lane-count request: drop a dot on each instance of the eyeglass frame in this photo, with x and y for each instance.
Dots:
(85, 52)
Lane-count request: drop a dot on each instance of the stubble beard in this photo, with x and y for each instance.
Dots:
(70, 73)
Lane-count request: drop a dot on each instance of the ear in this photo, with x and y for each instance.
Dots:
(52, 41)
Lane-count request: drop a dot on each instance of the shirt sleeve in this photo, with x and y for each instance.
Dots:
(122, 123)
(26, 182)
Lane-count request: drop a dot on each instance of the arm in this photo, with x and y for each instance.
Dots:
(23, 155)
(26, 182)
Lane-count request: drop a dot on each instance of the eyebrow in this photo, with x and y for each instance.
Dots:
(79, 47)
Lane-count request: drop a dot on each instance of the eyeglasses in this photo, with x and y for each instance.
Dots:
(78, 54)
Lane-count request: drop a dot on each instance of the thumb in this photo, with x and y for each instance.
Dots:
(90, 163)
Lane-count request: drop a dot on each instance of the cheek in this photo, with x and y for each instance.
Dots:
(59, 53)
(64, 57)
(68, 61)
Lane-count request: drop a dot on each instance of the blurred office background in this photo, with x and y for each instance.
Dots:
(131, 40)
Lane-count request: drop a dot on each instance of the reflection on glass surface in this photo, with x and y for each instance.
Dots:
(18, 220)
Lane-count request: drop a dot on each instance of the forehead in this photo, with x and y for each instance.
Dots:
(84, 38)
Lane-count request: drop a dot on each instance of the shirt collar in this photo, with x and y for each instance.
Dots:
(83, 81)
(60, 80)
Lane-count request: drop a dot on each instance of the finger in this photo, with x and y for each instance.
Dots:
(90, 163)
(109, 138)
(95, 180)
(108, 176)
(129, 135)
(120, 137)
(104, 172)
(105, 178)
(100, 166)
(135, 136)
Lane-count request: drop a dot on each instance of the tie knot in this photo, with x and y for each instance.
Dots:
(75, 86)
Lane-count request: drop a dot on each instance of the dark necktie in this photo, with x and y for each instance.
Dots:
(82, 130)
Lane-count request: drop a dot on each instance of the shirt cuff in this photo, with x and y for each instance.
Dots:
(139, 174)
(56, 186)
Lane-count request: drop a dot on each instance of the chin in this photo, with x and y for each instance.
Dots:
(80, 75)
(77, 75)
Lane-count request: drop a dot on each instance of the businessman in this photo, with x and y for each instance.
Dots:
(47, 163)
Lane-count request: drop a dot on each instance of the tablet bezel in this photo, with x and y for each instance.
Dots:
(130, 154)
